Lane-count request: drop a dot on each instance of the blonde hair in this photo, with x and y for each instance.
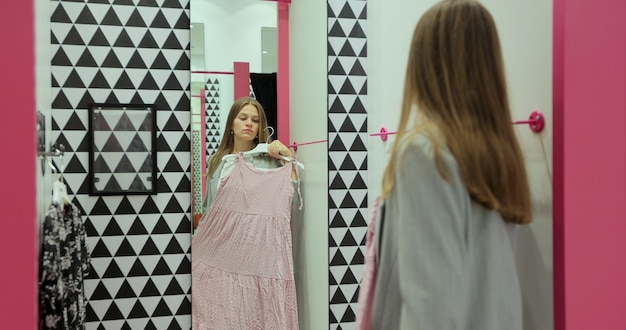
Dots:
(228, 140)
(455, 80)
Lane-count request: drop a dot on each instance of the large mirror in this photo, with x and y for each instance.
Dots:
(234, 52)
(264, 39)
(218, 60)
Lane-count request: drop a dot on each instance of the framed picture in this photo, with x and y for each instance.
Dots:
(122, 149)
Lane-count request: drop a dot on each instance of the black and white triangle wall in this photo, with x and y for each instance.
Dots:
(212, 99)
(128, 51)
(347, 157)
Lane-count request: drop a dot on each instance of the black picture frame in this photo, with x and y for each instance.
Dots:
(122, 149)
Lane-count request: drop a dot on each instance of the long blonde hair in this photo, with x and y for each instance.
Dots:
(455, 80)
(228, 140)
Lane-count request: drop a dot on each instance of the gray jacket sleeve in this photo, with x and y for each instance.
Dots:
(426, 218)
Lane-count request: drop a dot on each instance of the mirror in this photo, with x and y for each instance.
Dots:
(302, 108)
(250, 47)
(231, 39)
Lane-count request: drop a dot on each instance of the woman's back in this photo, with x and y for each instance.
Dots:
(446, 262)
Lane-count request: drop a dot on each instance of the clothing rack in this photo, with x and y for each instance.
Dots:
(212, 72)
(54, 152)
(536, 122)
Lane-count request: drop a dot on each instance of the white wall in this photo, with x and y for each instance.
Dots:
(233, 31)
(309, 115)
(526, 36)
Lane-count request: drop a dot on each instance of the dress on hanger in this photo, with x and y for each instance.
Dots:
(242, 263)
(260, 161)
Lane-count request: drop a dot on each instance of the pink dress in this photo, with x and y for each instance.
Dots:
(242, 264)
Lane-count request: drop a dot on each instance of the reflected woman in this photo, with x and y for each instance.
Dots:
(242, 265)
(455, 187)
(248, 126)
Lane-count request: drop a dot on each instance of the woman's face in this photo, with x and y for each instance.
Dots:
(246, 124)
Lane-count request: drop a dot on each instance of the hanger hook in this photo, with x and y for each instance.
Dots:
(269, 136)
(62, 151)
(52, 166)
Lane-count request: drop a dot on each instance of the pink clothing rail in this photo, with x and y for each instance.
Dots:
(212, 72)
(282, 75)
(536, 123)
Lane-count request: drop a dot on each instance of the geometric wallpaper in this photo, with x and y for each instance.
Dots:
(212, 99)
(347, 157)
(128, 51)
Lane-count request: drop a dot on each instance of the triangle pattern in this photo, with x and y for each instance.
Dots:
(347, 161)
(127, 51)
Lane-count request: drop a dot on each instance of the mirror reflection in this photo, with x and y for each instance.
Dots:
(247, 181)
(251, 42)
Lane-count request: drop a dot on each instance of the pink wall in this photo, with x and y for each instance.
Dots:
(590, 164)
(283, 120)
(589, 138)
(18, 250)
(241, 73)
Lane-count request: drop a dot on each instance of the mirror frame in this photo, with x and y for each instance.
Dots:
(282, 75)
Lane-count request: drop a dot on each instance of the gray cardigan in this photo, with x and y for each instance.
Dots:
(445, 262)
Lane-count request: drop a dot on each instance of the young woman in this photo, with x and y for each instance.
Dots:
(455, 187)
(242, 264)
(247, 127)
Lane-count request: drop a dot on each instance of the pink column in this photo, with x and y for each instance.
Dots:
(589, 164)
(283, 119)
(241, 72)
(18, 234)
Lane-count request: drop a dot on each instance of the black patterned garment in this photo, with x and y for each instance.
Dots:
(63, 264)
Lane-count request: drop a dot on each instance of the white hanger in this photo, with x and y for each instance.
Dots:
(262, 148)
(59, 189)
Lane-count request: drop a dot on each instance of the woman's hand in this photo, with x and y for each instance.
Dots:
(277, 149)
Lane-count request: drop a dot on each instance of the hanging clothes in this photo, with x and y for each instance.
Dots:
(242, 263)
(367, 289)
(64, 262)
